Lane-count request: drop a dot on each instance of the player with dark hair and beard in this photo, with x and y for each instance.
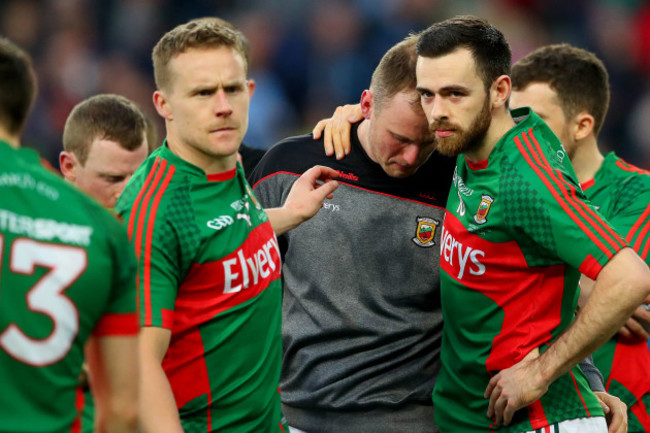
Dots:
(517, 234)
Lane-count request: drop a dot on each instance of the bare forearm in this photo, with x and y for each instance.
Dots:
(121, 423)
(157, 407)
(282, 220)
(615, 296)
(113, 370)
(621, 286)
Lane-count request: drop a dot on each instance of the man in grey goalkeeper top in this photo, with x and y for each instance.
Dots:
(361, 309)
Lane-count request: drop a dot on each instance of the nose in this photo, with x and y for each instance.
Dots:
(438, 109)
(222, 105)
(410, 153)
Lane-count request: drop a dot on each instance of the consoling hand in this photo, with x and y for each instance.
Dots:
(337, 130)
(308, 192)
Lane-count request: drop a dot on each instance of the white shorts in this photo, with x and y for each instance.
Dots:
(580, 425)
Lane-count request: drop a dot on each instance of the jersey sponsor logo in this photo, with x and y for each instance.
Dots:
(243, 205)
(245, 217)
(331, 207)
(461, 257)
(220, 222)
(240, 270)
(44, 229)
(238, 204)
(459, 183)
(427, 196)
(483, 209)
(425, 232)
(349, 176)
(26, 181)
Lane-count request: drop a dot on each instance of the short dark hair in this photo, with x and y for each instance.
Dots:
(17, 86)
(487, 44)
(579, 78)
(396, 71)
(209, 32)
(110, 117)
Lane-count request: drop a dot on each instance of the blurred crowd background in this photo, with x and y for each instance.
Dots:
(308, 56)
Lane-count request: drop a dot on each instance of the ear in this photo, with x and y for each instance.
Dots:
(68, 164)
(582, 126)
(162, 105)
(500, 91)
(250, 83)
(367, 103)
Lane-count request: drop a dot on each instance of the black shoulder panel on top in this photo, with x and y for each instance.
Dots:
(430, 184)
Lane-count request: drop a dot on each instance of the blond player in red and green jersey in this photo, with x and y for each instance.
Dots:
(569, 88)
(209, 291)
(67, 283)
(517, 234)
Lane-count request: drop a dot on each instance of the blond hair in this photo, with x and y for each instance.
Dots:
(198, 33)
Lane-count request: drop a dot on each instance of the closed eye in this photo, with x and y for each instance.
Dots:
(112, 179)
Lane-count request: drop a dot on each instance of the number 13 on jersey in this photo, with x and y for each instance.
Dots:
(46, 296)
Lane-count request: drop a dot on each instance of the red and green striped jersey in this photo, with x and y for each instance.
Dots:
(209, 270)
(67, 270)
(621, 192)
(516, 235)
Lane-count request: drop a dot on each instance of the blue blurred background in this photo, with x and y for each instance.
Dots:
(309, 56)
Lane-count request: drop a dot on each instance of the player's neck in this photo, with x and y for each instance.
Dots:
(11, 139)
(501, 123)
(586, 159)
(210, 164)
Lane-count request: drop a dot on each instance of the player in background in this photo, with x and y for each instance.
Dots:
(568, 88)
(516, 236)
(361, 312)
(105, 139)
(209, 266)
(66, 283)
(104, 142)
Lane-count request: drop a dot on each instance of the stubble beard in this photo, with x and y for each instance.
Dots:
(464, 141)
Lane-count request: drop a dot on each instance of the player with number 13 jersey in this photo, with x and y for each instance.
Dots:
(68, 271)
